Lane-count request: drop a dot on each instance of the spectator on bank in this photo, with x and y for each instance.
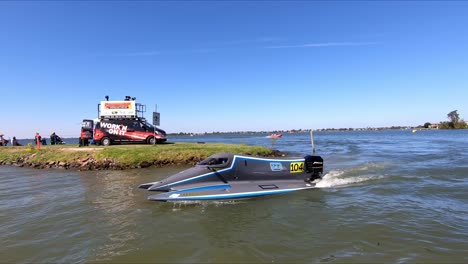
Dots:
(52, 138)
(84, 138)
(3, 142)
(14, 142)
(58, 140)
(55, 139)
(37, 139)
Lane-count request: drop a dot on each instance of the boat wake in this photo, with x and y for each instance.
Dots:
(340, 178)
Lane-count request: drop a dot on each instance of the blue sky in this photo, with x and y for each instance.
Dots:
(233, 65)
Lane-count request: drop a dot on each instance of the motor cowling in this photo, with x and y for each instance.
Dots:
(314, 166)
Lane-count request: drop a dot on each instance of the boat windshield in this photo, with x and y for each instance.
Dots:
(216, 160)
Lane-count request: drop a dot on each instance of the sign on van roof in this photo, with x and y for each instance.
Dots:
(117, 109)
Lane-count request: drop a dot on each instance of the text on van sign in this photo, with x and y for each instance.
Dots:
(114, 129)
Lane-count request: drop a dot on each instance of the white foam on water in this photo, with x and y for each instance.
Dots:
(336, 178)
(177, 205)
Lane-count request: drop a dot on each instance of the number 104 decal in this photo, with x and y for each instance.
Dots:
(296, 167)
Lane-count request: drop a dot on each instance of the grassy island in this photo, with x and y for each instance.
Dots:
(120, 156)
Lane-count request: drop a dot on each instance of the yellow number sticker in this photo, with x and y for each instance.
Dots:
(296, 167)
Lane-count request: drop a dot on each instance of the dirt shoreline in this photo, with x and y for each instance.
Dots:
(90, 163)
(100, 158)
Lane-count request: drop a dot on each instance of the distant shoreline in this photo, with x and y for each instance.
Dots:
(303, 131)
(74, 140)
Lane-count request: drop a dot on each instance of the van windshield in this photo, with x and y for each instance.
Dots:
(148, 125)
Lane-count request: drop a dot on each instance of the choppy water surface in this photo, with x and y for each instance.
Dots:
(387, 196)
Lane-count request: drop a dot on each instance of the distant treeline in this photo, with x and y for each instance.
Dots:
(454, 122)
(294, 131)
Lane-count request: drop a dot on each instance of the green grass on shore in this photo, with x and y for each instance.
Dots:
(128, 155)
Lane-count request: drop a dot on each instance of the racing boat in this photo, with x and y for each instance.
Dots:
(275, 136)
(229, 176)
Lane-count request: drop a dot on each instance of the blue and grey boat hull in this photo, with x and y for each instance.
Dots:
(229, 176)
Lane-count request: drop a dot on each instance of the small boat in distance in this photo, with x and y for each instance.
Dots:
(274, 135)
(229, 176)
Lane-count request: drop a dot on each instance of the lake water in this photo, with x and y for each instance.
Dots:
(387, 196)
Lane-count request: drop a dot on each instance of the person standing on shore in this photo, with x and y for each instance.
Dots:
(38, 140)
(53, 139)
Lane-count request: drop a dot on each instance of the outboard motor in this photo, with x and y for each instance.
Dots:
(314, 166)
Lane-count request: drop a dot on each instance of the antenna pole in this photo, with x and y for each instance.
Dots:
(154, 125)
(312, 140)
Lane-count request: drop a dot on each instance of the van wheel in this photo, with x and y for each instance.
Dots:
(105, 141)
(151, 140)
